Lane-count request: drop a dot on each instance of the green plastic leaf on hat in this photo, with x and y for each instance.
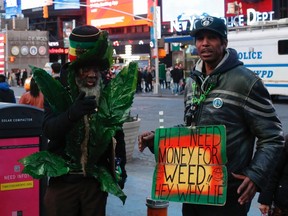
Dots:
(100, 54)
(102, 137)
(108, 55)
(44, 163)
(54, 92)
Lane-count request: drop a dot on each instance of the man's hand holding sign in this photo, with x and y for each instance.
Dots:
(190, 165)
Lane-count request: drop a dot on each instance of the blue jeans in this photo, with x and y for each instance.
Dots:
(176, 88)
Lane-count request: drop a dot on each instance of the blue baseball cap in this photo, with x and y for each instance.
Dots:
(210, 23)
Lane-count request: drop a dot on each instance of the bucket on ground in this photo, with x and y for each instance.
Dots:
(156, 207)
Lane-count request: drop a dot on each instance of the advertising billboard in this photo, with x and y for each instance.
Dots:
(248, 12)
(12, 8)
(116, 13)
(66, 4)
(2, 53)
(28, 4)
(183, 14)
(233, 8)
(191, 8)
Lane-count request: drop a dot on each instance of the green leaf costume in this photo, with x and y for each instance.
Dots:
(114, 105)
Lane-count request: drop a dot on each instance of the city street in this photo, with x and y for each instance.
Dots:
(223, 47)
(140, 169)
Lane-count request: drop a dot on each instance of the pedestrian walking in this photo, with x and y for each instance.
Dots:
(168, 78)
(24, 75)
(176, 77)
(6, 94)
(33, 96)
(56, 68)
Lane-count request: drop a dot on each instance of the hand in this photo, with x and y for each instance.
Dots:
(82, 106)
(146, 139)
(247, 189)
(264, 209)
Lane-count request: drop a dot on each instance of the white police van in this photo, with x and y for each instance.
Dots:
(263, 47)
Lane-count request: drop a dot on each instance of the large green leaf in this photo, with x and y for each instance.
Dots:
(109, 184)
(117, 96)
(44, 163)
(54, 92)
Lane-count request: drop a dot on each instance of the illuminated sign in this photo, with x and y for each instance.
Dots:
(116, 13)
(28, 4)
(182, 24)
(236, 8)
(252, 17)
(2, 53)
(190, 165)
(172, 9)
(66, 4)
(58, 51)
(12, 8)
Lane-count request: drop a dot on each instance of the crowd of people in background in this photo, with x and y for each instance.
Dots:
(22, 78)
(146, 75)
(173, 79)
(17, 77)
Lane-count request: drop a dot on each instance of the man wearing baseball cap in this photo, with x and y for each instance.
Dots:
(221, 91)
(235, 97)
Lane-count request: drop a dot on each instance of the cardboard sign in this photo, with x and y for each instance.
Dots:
(190, 165)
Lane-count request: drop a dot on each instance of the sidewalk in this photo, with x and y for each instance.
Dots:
(138, 188)
(161, 93)
(140, 172)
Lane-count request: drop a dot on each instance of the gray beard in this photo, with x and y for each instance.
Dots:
(90, 91)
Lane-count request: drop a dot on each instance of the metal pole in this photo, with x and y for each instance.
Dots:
(156, 87)
(6, 49)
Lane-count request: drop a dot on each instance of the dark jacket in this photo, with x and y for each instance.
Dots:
(277, 188)
(238, 99)
(6, 94)
(176, 75)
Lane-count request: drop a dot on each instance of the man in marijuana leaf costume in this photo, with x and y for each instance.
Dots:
(80, 124)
